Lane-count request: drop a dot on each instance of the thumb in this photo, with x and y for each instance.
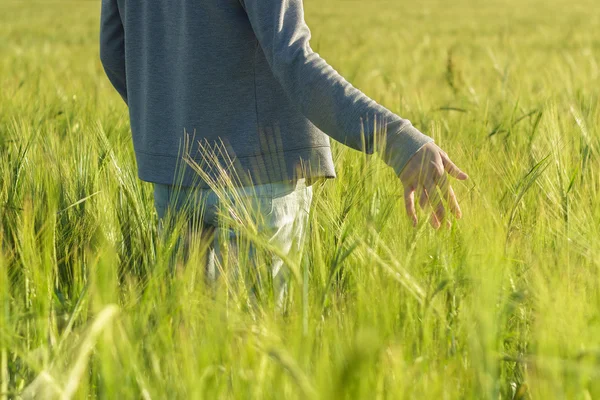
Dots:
(452, 169)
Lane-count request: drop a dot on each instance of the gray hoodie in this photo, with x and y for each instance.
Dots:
(238, 78)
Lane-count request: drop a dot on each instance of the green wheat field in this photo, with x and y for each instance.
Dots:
(503, 305)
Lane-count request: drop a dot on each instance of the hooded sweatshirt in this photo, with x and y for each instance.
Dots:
(234, 87)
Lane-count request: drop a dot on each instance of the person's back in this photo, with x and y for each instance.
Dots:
(239, 76)
(238, 73)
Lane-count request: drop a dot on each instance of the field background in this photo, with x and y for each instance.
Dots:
(504, 305)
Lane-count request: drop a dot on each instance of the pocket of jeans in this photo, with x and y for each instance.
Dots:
(290, 197)
(264, 199)
(257, 200)
(285, 188)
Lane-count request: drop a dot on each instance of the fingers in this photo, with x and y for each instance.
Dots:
(423, 199)
(430, 197)
(453, 203)
(429, 183)
(409, 202)
(449, 197)
(452, 169)
(434, 222)
(439, 212)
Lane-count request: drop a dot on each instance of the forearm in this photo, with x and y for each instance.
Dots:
(323, 95)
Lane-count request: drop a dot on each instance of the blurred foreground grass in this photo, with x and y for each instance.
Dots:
(506, 304)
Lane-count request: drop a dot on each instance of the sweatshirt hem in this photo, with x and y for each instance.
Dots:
(310, 162)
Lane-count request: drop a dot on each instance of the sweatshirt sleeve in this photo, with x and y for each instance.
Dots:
(112, 46)
(322, 95)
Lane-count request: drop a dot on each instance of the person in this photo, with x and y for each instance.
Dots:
(241, 77)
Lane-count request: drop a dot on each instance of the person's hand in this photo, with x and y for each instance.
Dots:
(426, 176)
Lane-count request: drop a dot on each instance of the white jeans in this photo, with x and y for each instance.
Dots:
(278, 210)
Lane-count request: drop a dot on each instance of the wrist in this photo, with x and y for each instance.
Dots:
(401, 142)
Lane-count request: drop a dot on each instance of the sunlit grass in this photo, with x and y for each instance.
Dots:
(505, 304)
